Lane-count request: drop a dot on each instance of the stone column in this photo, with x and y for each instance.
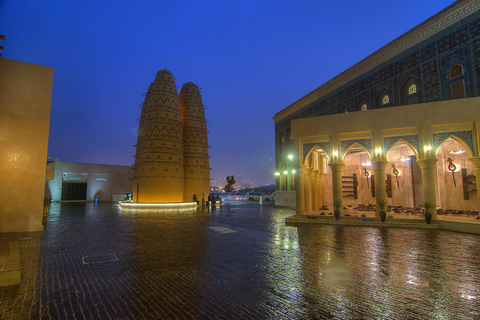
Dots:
(429, 172)
(308, 190)
(379, 178)
(314, 190)
(337, 181)
(300, 189)
(320, 182)
(476, 164)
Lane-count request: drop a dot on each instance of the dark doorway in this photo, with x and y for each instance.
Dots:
(74, 191)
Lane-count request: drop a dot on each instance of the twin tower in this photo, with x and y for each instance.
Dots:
(171, 160)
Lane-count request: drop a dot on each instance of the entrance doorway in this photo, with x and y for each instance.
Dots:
(74, 191)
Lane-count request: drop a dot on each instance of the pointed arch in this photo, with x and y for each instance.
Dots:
(308, 147)
(409, 144)
(356, 145)
(309, 160)
(439, 140)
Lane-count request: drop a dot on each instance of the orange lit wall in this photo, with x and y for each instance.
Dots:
(25, 100)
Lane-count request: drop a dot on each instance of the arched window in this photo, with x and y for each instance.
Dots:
(386, 99)
(455, 71)
(364, 107)
(412, 89)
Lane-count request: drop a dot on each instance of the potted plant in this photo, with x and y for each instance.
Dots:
(337, 204)
(382, 204)
(428, 216)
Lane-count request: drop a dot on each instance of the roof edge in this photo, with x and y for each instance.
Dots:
(441, 20)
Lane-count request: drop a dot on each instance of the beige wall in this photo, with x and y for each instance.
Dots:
(25, 100)
(102, 180)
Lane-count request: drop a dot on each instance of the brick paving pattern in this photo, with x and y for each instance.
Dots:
(236, 262)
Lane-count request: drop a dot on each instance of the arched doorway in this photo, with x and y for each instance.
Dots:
(316, 162)
(403, 176)
(457, 190)
(356, 177)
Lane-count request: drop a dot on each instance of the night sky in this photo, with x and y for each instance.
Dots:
(251, 59)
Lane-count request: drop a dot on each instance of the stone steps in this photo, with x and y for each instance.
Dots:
(360, 221)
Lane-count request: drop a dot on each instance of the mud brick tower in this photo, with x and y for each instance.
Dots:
(195, 142)
(171, 161)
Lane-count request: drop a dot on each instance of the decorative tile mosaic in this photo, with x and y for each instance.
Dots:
(325, 146)
(413, 140)
(345, 144)
(466, 136)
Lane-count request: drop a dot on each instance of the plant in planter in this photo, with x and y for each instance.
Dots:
(428, 215)
(382, 204)
(337, 204)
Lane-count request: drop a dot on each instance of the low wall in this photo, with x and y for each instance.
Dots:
(459, 226)
(285, 199)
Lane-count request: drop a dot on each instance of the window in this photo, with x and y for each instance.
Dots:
(455, 71)
(412, 89)
(385, 99)
(457, 90)
(364, 107)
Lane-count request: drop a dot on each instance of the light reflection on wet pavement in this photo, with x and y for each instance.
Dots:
(237, 262)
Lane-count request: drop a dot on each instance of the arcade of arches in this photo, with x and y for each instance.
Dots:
(406, 159)
(403, 184)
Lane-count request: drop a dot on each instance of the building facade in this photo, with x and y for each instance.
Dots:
(400, 125)
(71, 181)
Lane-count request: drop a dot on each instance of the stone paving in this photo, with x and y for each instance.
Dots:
(239, 261)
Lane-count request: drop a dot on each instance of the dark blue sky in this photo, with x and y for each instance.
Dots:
(250, 58)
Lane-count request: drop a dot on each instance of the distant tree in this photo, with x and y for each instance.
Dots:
(231, 182)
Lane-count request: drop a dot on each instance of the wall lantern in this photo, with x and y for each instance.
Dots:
(335, 154)
(290, 156)
(285, 172)
(378, 150)
(277, 174)
(293, 171)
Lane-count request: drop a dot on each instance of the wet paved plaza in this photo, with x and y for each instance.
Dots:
(237, 262)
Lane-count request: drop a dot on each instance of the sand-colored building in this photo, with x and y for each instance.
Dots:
(400, 125)
(25, 100)
(72, 181)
